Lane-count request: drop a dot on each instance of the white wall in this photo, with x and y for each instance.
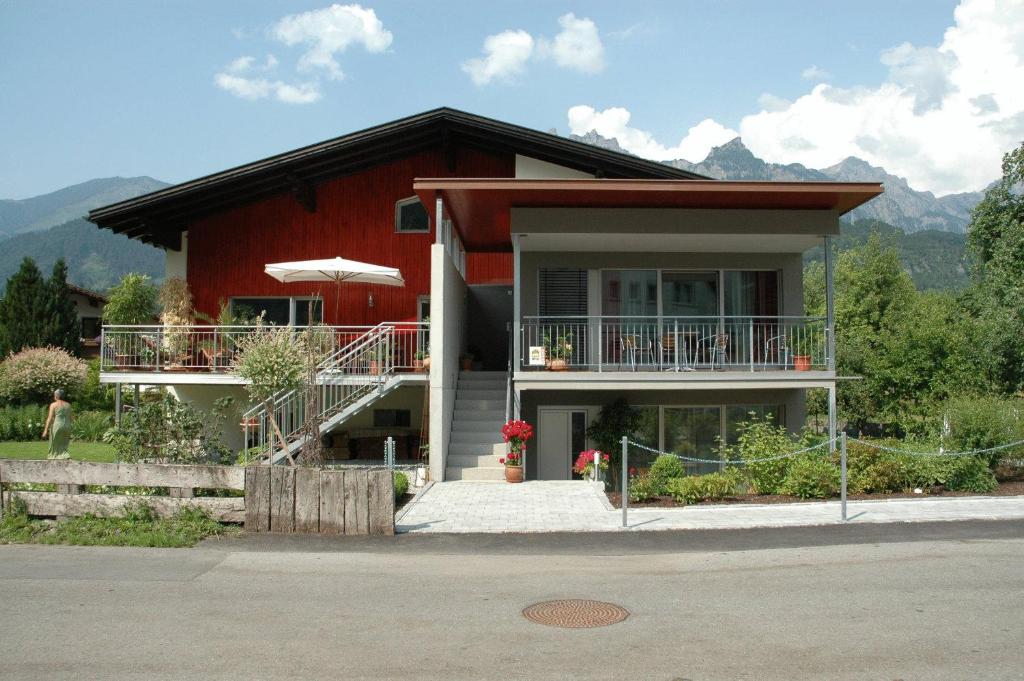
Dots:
(447, 338)
(528, 168)
(176, 262)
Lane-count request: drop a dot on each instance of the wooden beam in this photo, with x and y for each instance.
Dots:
(122, 474)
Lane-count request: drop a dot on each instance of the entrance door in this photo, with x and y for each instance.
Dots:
(489, 311)
(562, 436)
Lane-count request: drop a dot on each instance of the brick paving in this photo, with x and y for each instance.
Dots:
(572, 506)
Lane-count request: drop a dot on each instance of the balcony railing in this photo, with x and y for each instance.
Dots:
(673, 343)
(212, 349)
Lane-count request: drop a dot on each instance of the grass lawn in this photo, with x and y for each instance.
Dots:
(36, 449)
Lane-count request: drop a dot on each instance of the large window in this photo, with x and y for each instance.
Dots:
(689, 294)
(629, 293)
(694, 432)
(712, 293)
(280, 311)
(411, 217)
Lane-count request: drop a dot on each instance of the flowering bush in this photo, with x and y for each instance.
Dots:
(584, 465)
(32, 375)
(516, 433)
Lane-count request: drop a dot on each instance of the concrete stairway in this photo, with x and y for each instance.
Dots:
(476, 443)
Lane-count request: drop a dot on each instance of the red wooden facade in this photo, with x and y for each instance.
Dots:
(354, 219)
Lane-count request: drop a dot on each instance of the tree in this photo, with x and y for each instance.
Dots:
(996, 238)
(23, 309)
(61, 327)
(131, 301)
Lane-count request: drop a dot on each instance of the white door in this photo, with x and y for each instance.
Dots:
(562, 436)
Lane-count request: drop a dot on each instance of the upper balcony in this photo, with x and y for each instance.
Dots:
(205, 354)
(673, 344)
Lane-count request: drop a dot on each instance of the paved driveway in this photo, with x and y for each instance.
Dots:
(557, 506)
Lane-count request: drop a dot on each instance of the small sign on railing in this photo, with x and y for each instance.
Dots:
(537, 356)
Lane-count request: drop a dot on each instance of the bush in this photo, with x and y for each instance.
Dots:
(32, 375)
(93, 394)
(90, 426)
(982, 422)
(401, 484)
(22, 423)
(970, 474)
(170, 431)
(132, 301)
(665, 468)
(641, 488)
(708, 487)
(759, 439)
(811, 476)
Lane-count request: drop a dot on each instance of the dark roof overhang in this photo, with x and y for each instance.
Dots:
(160, 217)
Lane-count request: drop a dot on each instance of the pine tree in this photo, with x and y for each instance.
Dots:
(23, 309)
(62, 327)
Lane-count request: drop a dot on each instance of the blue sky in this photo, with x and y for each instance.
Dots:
(95, 89)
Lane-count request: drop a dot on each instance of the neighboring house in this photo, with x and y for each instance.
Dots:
(529, 251)
(89, 308)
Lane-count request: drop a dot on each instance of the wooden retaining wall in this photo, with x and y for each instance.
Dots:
(314, 501)
(71, 477)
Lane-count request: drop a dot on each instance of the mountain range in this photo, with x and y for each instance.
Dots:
(900, 205)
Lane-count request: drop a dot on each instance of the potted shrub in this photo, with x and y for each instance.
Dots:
(584, 466)
(131, 302)
(559, 351)
(377, 356)
(802, 357)
(516, 433)
(419, 361)
(466, 360)
(177, 316)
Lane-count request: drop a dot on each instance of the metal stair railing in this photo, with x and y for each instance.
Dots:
(343, 378)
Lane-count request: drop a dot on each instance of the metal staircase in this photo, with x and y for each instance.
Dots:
(347, 381)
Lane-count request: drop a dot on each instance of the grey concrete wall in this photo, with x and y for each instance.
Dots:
(202, 397)
(447, 341)
(673, 221)
(789, 264)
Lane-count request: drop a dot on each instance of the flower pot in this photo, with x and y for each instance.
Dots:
(802, 362)
(374, 367)
(417, 365)
(426, 363)
(558, 365)
(513, 473)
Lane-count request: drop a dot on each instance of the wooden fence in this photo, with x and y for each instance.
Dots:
(315, 501)
(71, 477)
(277, 498)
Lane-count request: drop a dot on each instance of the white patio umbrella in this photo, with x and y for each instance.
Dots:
(337, 270)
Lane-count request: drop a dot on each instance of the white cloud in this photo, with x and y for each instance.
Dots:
(578, 45)
(246, 79)
(942, 118)
(614, 122)
(330, 31)
(815, 73)
(505, 56)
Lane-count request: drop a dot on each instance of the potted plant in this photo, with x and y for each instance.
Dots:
(177, 316)
(558, 352)
(802, 357)
(419, 361)
(131, 302)
(466, 360)
(584, 466)
(377, 356)
(516, 433)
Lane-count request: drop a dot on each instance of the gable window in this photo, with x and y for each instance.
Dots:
(411, 217)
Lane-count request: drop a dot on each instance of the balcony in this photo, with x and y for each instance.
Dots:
(210, 350)
(673, 344)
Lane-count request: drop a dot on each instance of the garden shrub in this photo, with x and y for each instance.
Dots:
(708, 487)
(31, 376)
(171, 431)
(759, 439)
(22, 423)
(982, 422)
(90, 426)
(401, 484)
(93, 394)
(970, 474)
(641, 488)
(666, 467)
(811, 476)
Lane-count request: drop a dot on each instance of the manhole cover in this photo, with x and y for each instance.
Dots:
(575, 613)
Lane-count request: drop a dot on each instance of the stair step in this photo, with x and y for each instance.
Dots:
(482, 375)
(486, 395)
(476, 437)
(478, 405)
(472, 460)
(485, 415)
(475, 449)
(495, 473)
(489, 425)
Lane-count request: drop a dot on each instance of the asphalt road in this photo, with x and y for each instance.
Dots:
(940, 601)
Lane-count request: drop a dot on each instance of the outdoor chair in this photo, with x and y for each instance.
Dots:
(631, 346)
(714, 346)
(776, 350)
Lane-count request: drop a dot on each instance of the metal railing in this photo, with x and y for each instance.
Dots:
(212, 349)
(612, 343)
(359, 369)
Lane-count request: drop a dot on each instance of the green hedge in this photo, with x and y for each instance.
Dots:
(401, 484)
(21, 424)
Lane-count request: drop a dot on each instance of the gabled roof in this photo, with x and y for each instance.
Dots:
(87, 293)
(160, 216)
